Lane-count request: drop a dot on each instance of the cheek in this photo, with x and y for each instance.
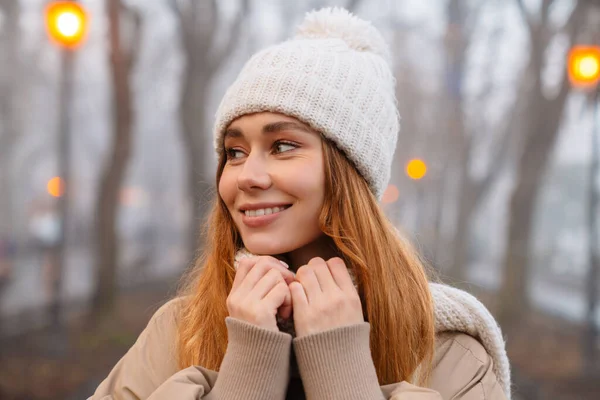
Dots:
(306, 179)
(227, 187)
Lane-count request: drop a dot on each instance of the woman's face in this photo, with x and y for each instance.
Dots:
(273, 161)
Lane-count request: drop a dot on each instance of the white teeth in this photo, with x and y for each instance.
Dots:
(263, 211)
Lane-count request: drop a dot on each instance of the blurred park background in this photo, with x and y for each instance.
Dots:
(106, 165)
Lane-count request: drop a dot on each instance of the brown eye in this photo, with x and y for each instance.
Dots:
(231, 153)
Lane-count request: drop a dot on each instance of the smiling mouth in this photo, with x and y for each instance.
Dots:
(265, 211)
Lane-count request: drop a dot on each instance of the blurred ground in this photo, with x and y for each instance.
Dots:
(38, 370)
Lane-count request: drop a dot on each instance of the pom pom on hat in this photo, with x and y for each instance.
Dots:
(334, 22)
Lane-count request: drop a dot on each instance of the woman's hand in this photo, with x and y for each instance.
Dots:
(324, 297)
(260, 290)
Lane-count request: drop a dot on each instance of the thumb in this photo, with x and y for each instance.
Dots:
(285, 310)
(299, 299)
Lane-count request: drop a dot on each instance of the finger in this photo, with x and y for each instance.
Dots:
(340, 274)
(299, 299)
(244, 267)
(261, 267)
(323, 274)
(306, 276)
(278, 296)
(285, 310)
(271, 279)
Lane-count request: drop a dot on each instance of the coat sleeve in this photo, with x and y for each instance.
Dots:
(337, 364)
(255, 358)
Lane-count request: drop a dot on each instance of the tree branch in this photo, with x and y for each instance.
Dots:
(573, 23)
(133, 50)
(525, 14)
(572, 27)
(176, 10)
(185, 21)
(544, 11)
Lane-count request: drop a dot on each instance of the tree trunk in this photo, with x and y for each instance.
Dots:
(9, 132)
(456, 53)
(9, 129)
(199, 30)
(513, 295)
(107, 246)
(472, 192)
(590, 339)
(466, 205)
(196, 149)
(542, 125)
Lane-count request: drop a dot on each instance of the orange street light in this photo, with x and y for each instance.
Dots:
(66, 23)
(584, 66)
(56, 187)
(416, 169)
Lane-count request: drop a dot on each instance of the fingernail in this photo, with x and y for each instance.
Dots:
(284, 264)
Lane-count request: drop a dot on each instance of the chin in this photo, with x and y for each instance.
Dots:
(266, 247)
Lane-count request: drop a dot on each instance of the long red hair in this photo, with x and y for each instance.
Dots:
(391, 279)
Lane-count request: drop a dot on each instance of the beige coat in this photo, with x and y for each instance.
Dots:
(333, 365)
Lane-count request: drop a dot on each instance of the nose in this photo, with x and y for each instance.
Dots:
(254, 174)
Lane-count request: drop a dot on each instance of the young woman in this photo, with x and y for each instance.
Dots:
(305, 289)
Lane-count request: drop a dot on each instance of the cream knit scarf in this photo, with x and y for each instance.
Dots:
(454, 311)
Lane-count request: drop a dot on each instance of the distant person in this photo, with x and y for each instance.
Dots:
(305, 289)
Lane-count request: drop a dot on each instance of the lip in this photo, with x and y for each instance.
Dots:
(260, 221)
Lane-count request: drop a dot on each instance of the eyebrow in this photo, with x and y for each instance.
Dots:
(273, 127)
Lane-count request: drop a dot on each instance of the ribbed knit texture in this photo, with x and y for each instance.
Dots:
(251, 351)
(321, 355)
(454, 311)
(333, 76)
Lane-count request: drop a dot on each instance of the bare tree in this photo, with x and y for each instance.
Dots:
(9, 122)
(122, 56)
(461, 142)
(541, 127)
(201, 29)
(9, 129)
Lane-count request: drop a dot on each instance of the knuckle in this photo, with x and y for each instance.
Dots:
(231, 304)
(282, 287)
(275, 272)
(337, 262)
(274, 276)
(301, 272)
(261, 267)
(316, 260)
(245, 263)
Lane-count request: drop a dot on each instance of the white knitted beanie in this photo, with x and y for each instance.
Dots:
(335, 76)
